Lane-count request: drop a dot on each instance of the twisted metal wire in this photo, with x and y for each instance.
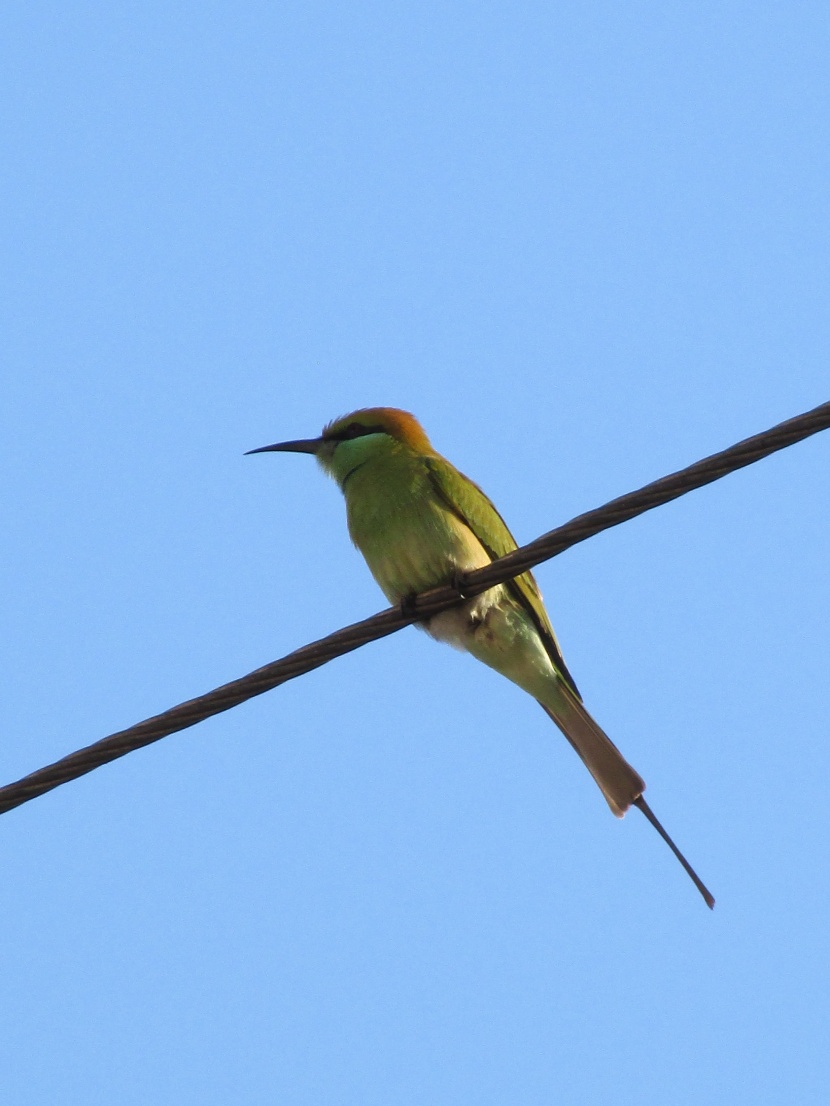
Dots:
(422, 606)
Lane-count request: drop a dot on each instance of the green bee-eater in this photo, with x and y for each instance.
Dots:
(419, 523)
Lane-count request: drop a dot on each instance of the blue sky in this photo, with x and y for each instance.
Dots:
(587, 244)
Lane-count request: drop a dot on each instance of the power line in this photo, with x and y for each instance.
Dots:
(423, 606)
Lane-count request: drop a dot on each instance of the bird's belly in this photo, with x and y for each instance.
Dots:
(410, 551)
(499, 633)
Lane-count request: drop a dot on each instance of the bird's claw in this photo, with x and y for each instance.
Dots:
(407, 604)
(457, 581)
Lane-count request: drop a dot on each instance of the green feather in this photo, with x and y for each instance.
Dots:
(469, 503)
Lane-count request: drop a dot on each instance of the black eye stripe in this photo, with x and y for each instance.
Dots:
(354, 430)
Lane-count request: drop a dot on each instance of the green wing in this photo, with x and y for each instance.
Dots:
(469, 503)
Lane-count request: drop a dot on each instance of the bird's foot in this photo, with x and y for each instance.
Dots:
(457, 582)
(407, 604)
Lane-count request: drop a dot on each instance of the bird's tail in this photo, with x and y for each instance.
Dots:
(621, 785)
(619, 782)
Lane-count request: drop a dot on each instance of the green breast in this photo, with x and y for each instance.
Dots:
(409, 539)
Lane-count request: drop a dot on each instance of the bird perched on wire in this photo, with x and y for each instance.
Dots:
(420, 524)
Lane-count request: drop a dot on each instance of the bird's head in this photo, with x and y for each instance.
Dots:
(349, 441)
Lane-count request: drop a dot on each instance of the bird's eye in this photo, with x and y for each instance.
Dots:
(353, 430)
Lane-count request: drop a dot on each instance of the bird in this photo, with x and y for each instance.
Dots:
(420, 523)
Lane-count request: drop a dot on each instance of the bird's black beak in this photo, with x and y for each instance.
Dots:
(304, 445)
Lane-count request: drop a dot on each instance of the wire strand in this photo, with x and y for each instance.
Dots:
(387, 622)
